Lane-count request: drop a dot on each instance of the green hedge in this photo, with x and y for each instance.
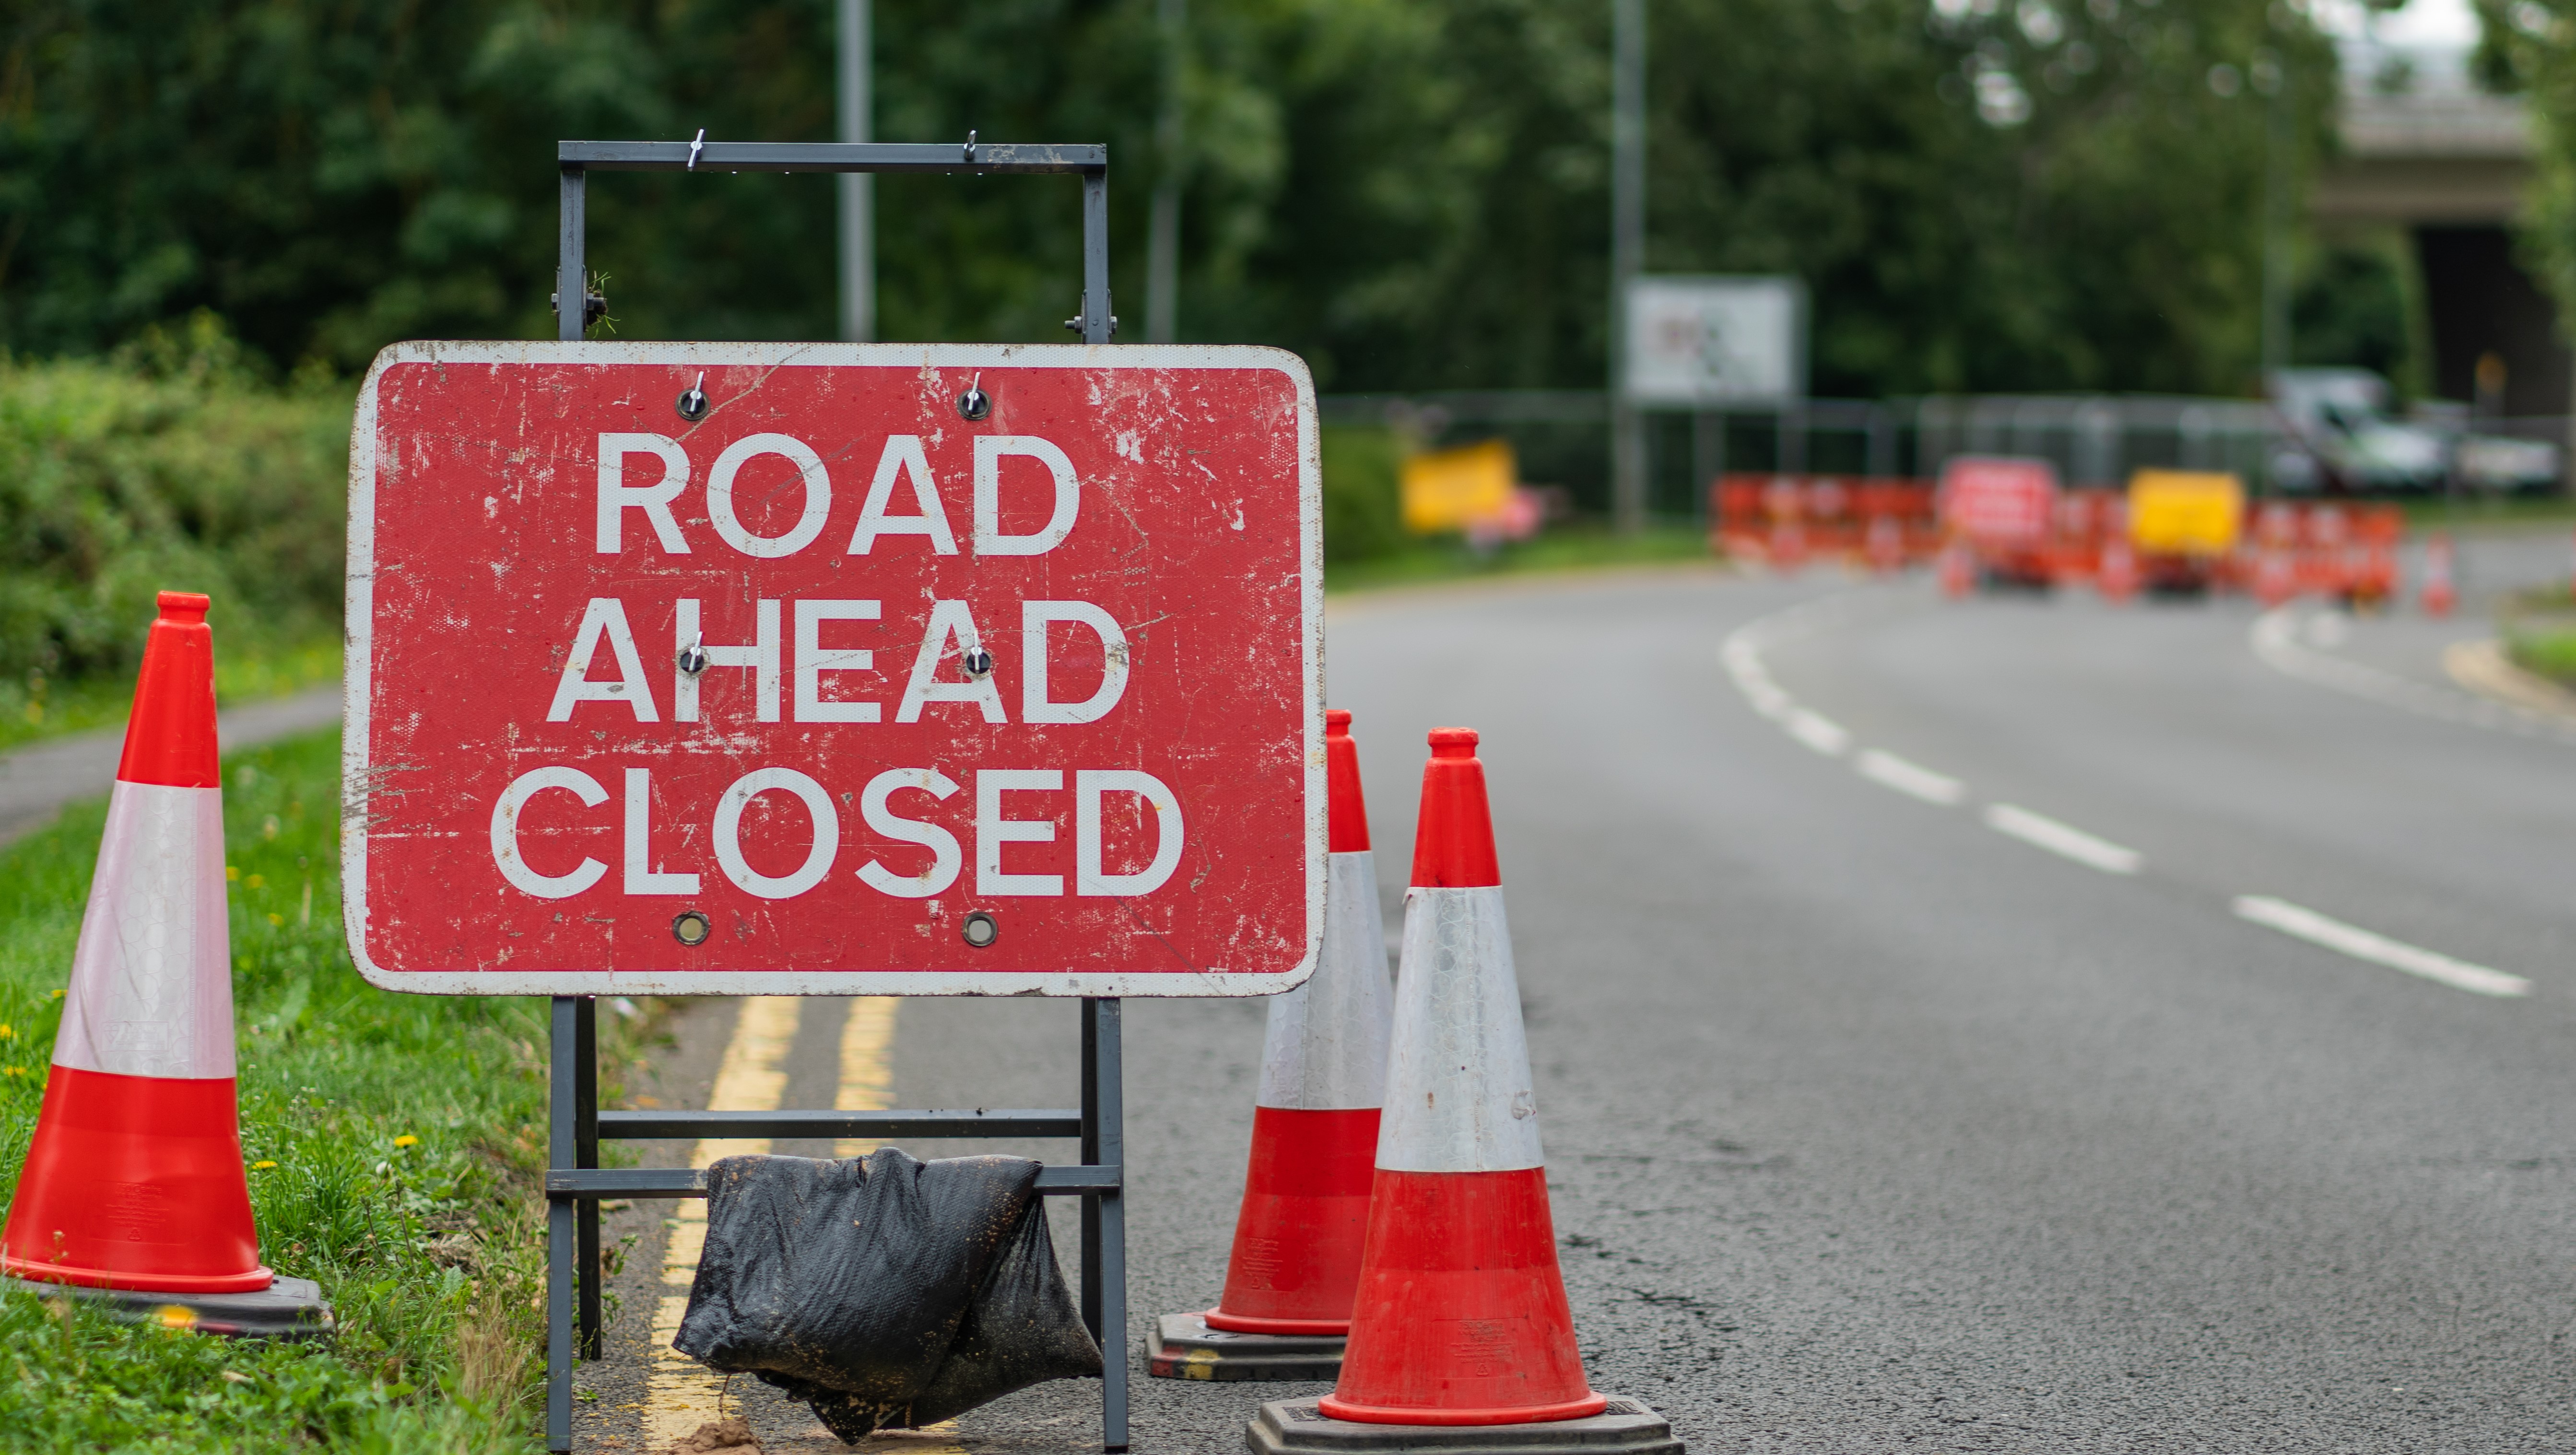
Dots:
(1362, 469)
(172, 466)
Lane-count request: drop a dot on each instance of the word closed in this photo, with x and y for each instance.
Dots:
(834, 690)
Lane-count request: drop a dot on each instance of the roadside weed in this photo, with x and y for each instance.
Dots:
(393, 1143)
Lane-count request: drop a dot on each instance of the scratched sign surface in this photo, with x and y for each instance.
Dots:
(834, 689)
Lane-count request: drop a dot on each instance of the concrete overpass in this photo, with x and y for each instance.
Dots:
(2448, 165)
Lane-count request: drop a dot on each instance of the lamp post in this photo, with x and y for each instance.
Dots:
(1627, 254)
(858, 195)
(1163, 237)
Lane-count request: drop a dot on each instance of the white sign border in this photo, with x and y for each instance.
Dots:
(356, 770)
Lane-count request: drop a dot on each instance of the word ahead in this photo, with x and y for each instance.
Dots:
(896, 670)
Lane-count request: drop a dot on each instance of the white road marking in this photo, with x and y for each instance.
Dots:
(2275, 639)
(1821, 733)
(1910, 778)
(2361, 944)
(2044, 832)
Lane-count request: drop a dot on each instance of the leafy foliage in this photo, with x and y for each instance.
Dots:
(2530, 47)
(1411, 193)
(172, 468)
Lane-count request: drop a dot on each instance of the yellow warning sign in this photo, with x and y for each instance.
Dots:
(2185, 512)
(1454, 489)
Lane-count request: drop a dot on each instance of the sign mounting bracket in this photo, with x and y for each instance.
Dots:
(575, 160)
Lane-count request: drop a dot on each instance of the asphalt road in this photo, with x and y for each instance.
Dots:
(1883, 1113)
(36, 781)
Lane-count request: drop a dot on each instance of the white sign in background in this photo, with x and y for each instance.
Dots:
(1716, 340)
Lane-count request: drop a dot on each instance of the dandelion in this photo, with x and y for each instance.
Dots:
(261, 1166)
(406, 1140)
(57, 993)
(257, 881)
(232, 873)
(276, 920)
(7, 1034)
(14, 1071)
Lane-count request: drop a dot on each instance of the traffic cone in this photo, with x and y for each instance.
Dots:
(2118, 578)
(1461, 1317)
(2275, 580)
(2439, 594)
(1296, 1261)
(1958, 574)
(1787, 553)
(1885, 545)
(133, 1187)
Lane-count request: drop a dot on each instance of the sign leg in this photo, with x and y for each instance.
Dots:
(1104, 1215)
(585, 1147)
(1091, 1158)
(559, 1225)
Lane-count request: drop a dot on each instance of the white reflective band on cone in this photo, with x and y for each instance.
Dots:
(1326, 1046)
(1458, 1095)
(152, 982)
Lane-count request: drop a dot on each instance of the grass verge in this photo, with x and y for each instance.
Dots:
(2500, 513)
(35, 708)
(2539, 631)
(1570, 548)
(394, 1143)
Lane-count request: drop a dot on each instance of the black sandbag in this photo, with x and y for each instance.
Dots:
(885, 1292)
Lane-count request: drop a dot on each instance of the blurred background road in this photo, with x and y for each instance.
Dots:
(2111, 1043)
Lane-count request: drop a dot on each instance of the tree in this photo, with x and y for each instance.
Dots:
(2530, 46)
(1410, 193)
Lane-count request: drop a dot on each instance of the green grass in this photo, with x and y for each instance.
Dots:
(1566, 548)
(35, 707)
(2544, 653)
(405, 1133)
(2471, 513)
(2538, 626)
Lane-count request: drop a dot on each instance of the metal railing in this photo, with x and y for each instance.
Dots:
(2093, 439)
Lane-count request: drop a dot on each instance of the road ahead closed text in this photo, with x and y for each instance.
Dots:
(794, 690)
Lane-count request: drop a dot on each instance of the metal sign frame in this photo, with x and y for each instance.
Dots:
(574, 1181)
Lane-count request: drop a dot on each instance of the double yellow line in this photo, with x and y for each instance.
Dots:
(682, 1394)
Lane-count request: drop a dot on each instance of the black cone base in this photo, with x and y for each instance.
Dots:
(290, 1308)
(1182, 1346)
(1625, 1428)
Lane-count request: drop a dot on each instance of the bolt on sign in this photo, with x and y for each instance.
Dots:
(834, 669)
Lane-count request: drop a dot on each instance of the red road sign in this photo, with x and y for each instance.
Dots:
(1999, 501)
(644, 705)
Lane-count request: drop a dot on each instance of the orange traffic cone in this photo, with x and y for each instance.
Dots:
(134, 1183)
(2118, 578)
(2439, 593)
(2275, 580)
(1885, 545)
(1461, 1317)
(1296, 1260)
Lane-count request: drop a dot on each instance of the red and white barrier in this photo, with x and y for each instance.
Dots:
(134, 1179)
(1296, 1259)
(1461, 1317)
